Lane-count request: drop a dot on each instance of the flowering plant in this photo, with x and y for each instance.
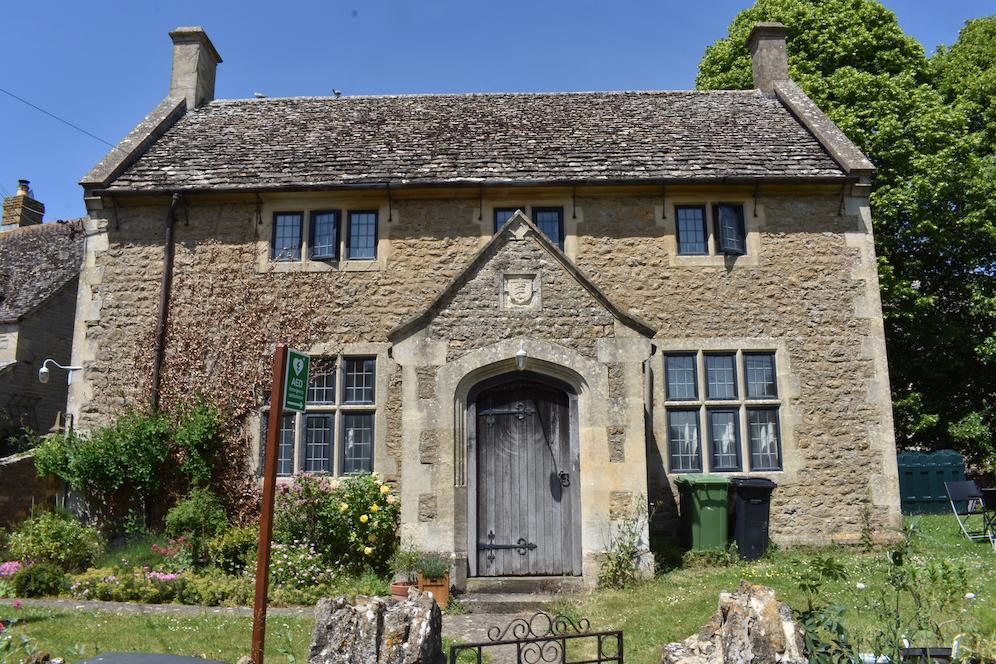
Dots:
(177, 554)
(10, 568)
(352, 522)
(298, 565)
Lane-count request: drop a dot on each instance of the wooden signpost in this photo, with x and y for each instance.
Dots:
(289, 389)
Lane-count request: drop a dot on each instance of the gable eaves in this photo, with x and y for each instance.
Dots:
(504, 235)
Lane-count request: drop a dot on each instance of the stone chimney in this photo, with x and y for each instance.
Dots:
(195, 61)
(769, 59)
(20, 209)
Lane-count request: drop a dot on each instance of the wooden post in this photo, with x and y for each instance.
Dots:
(266, 517)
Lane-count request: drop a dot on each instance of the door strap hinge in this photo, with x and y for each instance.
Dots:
(522, 546)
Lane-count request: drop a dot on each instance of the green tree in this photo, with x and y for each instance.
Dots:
(927, 125)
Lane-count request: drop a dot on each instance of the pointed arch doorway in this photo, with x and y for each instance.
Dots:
(523, 466)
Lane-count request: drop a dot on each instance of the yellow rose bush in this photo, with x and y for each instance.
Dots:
(351, 522)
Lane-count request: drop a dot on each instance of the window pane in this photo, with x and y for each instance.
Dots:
(765, 443)
(285, 446)
(680, 372)
(321, 388)
(358, 379)
(724, 440)
(325, 235)
(550, 221)
(362, 235)
(721, 376)
(318, 443)
(502, 215)
(759, 370)
(692, 237)
(357, 443)
(683, 440)
(286, 236)
(730, 224)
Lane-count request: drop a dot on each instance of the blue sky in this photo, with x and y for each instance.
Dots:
(104, 64)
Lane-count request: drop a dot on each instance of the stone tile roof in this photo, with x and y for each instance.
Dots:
(35, 262)
(313, 142)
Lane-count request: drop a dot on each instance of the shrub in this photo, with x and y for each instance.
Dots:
(234, 550)
(298, 565)
(57, 538)
(10, 568)
(433, 566)
(136, 585)
(352, 522)
(196, 437)
(177, 554)
(218, 589)
(39, 580)
(198, 517)
(621, 561)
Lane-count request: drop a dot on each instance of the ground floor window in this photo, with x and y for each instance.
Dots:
(726, 402)
(335, 434)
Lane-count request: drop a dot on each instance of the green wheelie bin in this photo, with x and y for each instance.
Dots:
(703, 511)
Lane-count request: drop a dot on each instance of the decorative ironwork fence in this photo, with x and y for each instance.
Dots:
(546, 639)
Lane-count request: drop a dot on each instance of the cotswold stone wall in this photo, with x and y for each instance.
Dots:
(811, 290)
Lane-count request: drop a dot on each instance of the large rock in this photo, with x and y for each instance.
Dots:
(378, 631)
(750, 627)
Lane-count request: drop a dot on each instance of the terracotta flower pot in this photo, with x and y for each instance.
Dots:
(399, 589)
(440, 589)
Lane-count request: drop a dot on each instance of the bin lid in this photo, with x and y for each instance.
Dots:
(753, 482)
(701, 480)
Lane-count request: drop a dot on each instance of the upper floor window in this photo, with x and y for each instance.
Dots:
(362, 241)
(693, 233)
(324, 235)
(287, 235)
(550, 220)
(728, 230)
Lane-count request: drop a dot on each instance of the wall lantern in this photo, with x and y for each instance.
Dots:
(520, 356)
(44, 373)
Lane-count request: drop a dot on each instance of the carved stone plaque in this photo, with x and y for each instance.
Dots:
(520, 291)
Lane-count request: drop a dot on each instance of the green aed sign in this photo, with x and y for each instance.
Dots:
(296, 380)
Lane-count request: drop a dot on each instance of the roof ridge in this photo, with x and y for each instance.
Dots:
(55, 223)
(433, 95)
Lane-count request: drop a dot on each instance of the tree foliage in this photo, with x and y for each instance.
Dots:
(928, 125)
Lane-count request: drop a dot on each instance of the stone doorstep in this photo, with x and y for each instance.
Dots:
(507, 603)
(525, 584)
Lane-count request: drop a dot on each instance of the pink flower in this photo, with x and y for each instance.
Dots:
(10, 568)
(17, 603)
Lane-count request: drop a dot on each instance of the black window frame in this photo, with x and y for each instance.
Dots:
(695, 377)
(504, 208)
(274, 256)
(735, 412)
(724, 244)
(559, 209)
(344, 380)
(336, 225)
(774, 375)
(705, 367)
(343, 428)
(306, 445)
(778, 437)
(349, 234)
(705, 229)
(698, 441)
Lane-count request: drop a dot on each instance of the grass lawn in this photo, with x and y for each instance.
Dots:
(669, 608)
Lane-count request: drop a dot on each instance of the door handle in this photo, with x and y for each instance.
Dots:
(565, 478)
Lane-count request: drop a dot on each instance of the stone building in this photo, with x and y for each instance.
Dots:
(530, 311)
(39, 276)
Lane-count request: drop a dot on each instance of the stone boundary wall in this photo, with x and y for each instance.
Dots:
(21, 490)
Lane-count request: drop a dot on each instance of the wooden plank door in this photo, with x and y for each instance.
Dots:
(527, 491)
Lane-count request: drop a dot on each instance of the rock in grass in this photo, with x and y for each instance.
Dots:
(378, 630)
(750, 627)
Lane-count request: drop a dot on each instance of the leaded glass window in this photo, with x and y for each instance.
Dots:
(724, 440)
(683, 441)
(318, 443)
(358, 379)
(693, 235)
(285, 446)
(357, 443)
(323, 240)
(321, 387)
(759, 373)
(765, 439)
(551, 222)
(286, 242)
(362, 241)
(681, 377)
(502, 215)
(721, 376)
(731, 235)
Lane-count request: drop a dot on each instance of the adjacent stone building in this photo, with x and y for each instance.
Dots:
(530, 311)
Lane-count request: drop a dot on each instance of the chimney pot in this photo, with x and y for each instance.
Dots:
(195, 62)
(23, 188)
(768, 55)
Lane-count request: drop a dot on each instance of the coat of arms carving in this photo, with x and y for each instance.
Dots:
(520, 291)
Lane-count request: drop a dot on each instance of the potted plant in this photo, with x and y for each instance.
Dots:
(434, 577)
(404, 564)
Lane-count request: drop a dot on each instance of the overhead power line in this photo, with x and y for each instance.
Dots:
(53, 115)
